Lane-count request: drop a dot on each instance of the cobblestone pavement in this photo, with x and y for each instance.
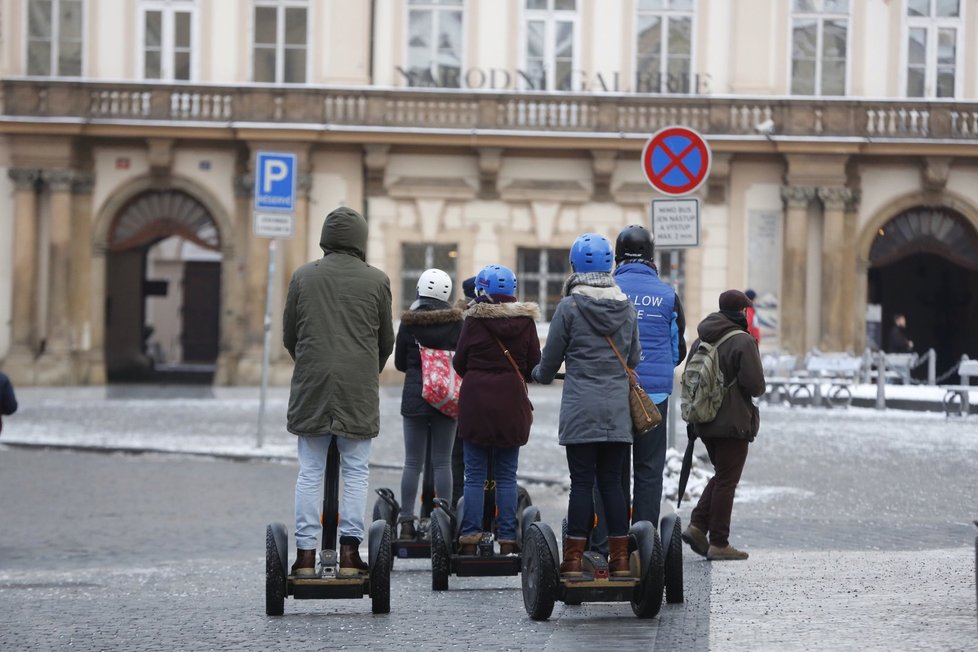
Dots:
(858, 524)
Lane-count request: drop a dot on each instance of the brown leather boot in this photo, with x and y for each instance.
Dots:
(305, 563)
(468, 544)
(573, 551)
(618, 556)
(507, 547)
(350, 562)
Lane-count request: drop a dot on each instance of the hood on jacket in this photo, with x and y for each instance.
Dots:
(715, 326)
(604, 309)
(431, 324)
(344, 231)
(497, 317)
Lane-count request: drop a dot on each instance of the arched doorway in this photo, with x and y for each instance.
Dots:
(924, 265)
(163, 290)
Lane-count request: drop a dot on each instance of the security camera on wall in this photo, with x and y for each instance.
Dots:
(765, 128)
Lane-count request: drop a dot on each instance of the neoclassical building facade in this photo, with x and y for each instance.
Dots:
(843, 189)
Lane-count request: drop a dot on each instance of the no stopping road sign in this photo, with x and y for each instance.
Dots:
(676, 160)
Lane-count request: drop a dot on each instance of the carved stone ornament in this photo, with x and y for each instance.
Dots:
(58, 180)
(24, 178)
(834, 198)
(934, 172)
(83, 184)
(797, 196)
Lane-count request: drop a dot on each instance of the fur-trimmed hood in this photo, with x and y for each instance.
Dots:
(431, 317)
(503, 310)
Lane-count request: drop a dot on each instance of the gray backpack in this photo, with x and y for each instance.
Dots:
(703, 385)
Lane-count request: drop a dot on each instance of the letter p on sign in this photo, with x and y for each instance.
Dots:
(275, 182)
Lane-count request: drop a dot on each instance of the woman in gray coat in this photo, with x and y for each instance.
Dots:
(595, 423)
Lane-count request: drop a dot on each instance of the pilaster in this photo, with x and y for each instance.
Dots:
(834, 201)
(797, 200)
(19, 362)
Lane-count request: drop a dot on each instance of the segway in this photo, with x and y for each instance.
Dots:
(327, 583)
(444, 524)
(543, 585)
(386, 508)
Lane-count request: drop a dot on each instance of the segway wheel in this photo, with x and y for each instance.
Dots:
(647, 599)
(673, 567)
(380, 575)
(274, 574)
(439, 556)
(522, 499)
(539, 575)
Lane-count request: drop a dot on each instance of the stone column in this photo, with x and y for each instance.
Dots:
(59, 241)
(236, 302)
(851, 306)
(80, 297)
(834, 261)
(24, 334)
(255, 282)
(797, 200)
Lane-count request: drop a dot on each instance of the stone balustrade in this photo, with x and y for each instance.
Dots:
(553, 114)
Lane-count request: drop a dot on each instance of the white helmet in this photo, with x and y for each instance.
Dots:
(435, 283)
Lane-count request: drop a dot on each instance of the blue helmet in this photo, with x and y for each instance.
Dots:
(591, 253)
(496, 279)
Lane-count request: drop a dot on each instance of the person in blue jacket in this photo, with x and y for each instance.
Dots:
(661, 325)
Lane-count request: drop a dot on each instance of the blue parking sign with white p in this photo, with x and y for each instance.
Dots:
(275, 179)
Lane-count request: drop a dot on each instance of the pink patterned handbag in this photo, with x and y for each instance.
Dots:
(440, 384)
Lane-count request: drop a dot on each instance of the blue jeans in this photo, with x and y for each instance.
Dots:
(354, 459)
(416, 432)
(504, 464)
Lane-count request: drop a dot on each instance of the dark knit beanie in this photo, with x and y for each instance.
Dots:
(734, 300)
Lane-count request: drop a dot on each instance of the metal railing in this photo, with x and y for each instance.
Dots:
(557, 114)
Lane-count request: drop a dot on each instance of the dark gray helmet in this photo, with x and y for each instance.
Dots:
(635, 242)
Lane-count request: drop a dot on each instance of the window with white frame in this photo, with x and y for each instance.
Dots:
(664, 46)
(54, 37)
(281, 37)
(541, 274)
(167, 28)
(819, 38)
(550, 45)
(934, 44)
(434, 56)
(416, 258)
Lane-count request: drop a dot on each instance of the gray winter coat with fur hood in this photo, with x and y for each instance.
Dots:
(594, 405)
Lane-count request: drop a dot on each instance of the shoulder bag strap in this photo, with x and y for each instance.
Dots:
(631, 374)
(509, 357)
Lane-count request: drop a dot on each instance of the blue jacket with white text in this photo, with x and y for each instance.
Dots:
(661, 325)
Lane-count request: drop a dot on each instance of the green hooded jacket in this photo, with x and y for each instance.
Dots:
(339, 331)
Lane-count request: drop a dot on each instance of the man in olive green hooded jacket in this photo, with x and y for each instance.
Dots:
(339, 331)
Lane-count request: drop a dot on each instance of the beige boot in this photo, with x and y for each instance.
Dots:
(716, 553)
(573, 551)
(696, 539)
(618, 557)
(468, 544)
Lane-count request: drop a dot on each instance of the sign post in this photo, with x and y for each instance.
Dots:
(275, 181)
(676, 161)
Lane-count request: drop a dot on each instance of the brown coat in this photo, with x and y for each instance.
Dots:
(740, 362)
(494, 410)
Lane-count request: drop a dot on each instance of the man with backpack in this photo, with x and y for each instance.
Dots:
(722, 373)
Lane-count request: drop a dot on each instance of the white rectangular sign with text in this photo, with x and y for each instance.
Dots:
(676, 223)
(274, 225)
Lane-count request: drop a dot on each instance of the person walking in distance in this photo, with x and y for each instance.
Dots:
(899, 342)
(661, 328)
(434, 324)
(338, 329)
(8, 400)
(593, 331)
(724, 340)
(496, 351)
(752, 326)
